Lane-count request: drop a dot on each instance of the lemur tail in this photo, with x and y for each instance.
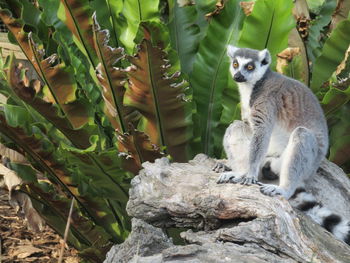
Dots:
(335, 224)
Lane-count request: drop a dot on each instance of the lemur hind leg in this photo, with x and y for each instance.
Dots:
(300, 159)
(236, 145)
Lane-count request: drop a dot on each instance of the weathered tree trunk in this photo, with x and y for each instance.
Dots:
(234, 223)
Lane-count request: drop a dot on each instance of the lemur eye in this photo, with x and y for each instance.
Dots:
(250, 67)
(235, 65)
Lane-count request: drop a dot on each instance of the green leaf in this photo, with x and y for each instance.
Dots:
(334, 99)
(107, 13)
(25, 171)
(160, 99)
(210, 74)
(139, 149)
(184, 34)
(332, 55)
(339, 136)
(112, 80)
(203, 8)
(58, 78)
(83, 233)
(77, 15)
(29, 15)
(315, 6)
(275, 21)
(16, 115)
(16, 26)
(49, 14)
(111, 182)
(156, 95)
(78, 114)
(34, 148)
(292, 66)
(313, 43)
(135, 12)
(103, 179)
(43, 153)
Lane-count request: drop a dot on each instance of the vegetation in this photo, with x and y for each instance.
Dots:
(123, 82)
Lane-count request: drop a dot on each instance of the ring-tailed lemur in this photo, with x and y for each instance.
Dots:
(284, 128)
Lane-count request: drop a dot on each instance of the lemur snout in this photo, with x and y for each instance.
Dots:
(239, 77)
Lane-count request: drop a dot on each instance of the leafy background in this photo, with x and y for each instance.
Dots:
(123, 82)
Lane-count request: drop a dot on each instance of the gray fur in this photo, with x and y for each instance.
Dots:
(285, 119)
(257, 88)
(237, 140)
(283, 125)
(244, 52)
(307, 203)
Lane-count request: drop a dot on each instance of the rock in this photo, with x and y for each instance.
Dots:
(144, 240)
(234, 223)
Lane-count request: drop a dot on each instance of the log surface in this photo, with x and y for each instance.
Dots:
(227, 222)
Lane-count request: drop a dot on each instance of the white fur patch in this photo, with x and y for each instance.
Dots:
(264, 54)
(245, 91)
(304, 197)
(231, 50)
(245, 88)
(279, 140)
(254, 75)
(341, 230)
(241, 63)
(318, 213)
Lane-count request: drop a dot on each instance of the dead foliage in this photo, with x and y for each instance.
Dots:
(21, 245)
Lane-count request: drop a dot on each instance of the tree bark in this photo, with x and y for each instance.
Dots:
(227, 222)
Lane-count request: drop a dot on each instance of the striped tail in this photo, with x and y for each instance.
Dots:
(334, 223)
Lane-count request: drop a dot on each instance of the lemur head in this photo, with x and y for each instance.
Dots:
(248, 65)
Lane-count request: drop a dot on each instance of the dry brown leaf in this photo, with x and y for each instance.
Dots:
(342, 65)
(35, 223)
(284, 57)
(13, 155)
(14, 234)
(247, 7)
(289, 53)
(25, 251)
(71, 260)
(3, 99)
(220, 4)
(10, 178)
(301, 9)
(341, 12)
(18, 200)
(32, 259)
(182, 3)
(303, 24)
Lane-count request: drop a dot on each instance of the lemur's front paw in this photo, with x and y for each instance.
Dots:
(220, 167)
(272, 190)
(227, 177)
(247, 180)
(232, 177)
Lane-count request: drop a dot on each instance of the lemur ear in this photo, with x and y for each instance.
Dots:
(231, 50)
(265, 57)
